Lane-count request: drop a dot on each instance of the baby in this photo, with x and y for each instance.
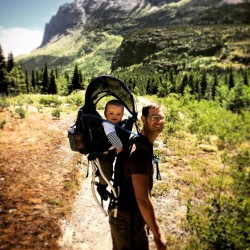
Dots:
(113, 113)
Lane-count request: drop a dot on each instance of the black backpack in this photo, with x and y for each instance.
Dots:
(87, 134)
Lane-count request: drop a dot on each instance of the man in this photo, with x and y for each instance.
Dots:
(135, 175)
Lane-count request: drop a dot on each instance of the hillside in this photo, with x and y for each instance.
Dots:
(88, 33)
(92, 51)
(185, 47)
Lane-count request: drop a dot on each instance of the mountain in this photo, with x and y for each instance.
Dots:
(90, 32)
(119, 16)
(184, 46)
(87, 14)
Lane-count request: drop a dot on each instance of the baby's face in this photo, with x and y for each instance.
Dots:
(114, 113)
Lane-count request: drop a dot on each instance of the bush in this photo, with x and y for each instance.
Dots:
(76, 98)
(56, 113)
(2, 123)
(224, 223)
(21, 112)
(50, 101)
(4, 103)
(211, 119)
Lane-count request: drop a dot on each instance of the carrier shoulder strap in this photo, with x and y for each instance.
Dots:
(155, 159)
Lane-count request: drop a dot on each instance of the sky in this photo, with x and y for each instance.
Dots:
(22, 23)
(233, 1)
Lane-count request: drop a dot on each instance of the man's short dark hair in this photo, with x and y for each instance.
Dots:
(146, 108)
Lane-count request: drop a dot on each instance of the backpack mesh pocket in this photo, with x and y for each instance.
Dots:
(75, 139)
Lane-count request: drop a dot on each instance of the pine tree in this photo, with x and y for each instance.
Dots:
(171, 79)
(10, 62)
(148, 84)
(214, 86)
(151, 86)
(184, 83)
(198, 89)
(56, 73)
(191, 83)
(16, 82)
(45, 81)
(33, 80)
(76, 81)
(52, 84)
(3, 73)
(27, 81)
(38, 81)
(162, 89)
(203, 84)
(239, 102)
(130, 84)
(231, 79)
(245, 78)
(80, 78)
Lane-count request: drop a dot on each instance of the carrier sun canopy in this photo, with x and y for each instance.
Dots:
(106, 85)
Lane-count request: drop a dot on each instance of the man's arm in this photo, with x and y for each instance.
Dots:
(141, 187)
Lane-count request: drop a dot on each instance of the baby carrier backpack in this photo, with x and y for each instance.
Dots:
(87, 135)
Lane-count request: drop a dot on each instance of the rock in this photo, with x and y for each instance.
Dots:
(215, 141)
(208, 148)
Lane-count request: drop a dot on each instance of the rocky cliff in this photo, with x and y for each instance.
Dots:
(124, 16)
(69, 16)
(143, 33)
(88, 14)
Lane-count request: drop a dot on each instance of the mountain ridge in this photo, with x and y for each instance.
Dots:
(133, 14)
(90, 32)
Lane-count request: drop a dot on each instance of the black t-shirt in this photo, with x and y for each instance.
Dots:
(138, 160)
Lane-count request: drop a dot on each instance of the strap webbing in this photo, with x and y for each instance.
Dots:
(158, 173)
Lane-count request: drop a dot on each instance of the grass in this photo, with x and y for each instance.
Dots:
(92, 52)
(54, 201)
(196, 174)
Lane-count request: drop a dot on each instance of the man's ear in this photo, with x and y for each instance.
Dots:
(143, 118)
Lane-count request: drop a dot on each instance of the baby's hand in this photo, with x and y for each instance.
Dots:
(118, 150)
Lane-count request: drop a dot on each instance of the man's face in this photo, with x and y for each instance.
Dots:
(155, 120)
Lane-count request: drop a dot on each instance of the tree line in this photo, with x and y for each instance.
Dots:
(228, 85)
(15, 80)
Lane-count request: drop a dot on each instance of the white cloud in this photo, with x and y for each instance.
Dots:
(233, 1)
(19, 40)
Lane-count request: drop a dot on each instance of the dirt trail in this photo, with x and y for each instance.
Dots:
(87, 226)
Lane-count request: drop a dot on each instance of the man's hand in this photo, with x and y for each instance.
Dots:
(160, 243)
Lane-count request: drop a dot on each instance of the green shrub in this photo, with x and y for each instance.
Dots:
(20, 100)
(50, 101)
(54, 201)
(2, 124)
(4, 103)
(76, 98)
(210, 119)
(56, 113)
(21, 112)
(224, 222)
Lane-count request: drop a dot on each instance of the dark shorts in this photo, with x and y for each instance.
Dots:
(128, 232)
